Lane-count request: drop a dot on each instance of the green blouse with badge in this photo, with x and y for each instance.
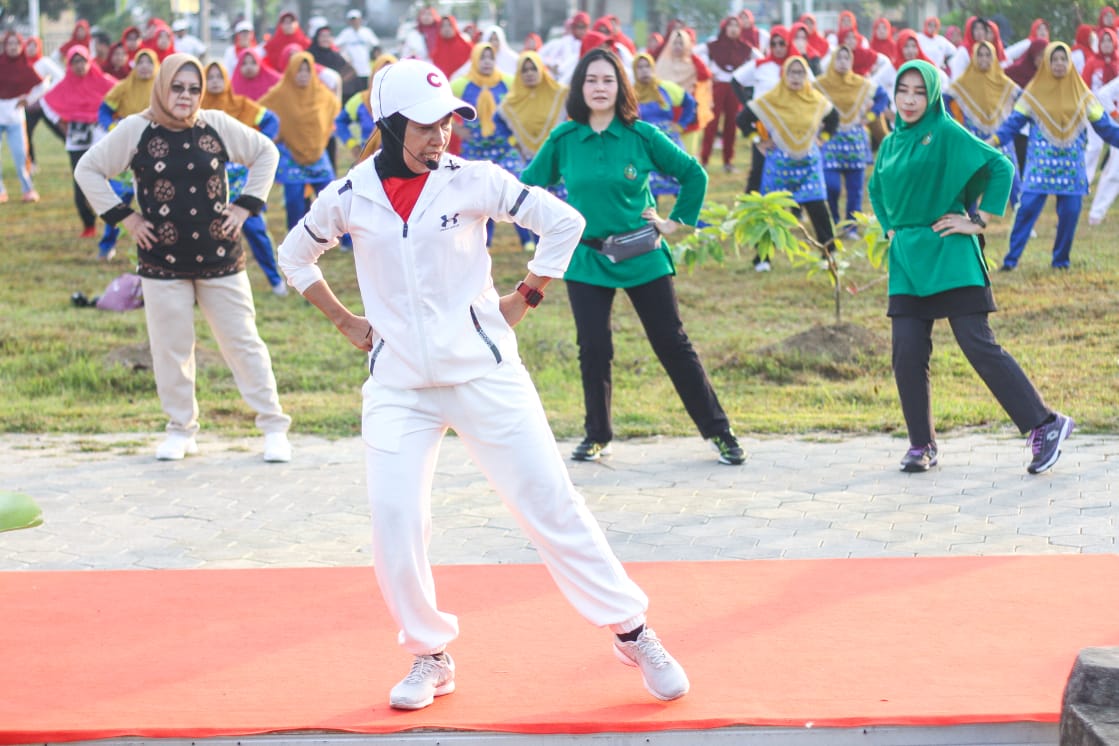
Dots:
(607, 178)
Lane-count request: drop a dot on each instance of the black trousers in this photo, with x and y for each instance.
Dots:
(88, 216)
(820, 217)
(757, 166)
(656, 306)
(34, 116)
(912, 348)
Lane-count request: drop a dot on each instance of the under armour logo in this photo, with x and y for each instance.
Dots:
(449, 221)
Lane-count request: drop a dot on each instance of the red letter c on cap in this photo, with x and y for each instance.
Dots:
(433, 80)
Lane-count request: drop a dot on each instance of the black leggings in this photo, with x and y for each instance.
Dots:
(820, 217)
(912, 343)
(656, 306)
(88, 216)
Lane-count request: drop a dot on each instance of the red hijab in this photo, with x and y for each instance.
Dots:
(1084, 41)
(848, 22)
(120, 72)
(159, 26)
(76, 98)
(1104, 11)
(749, 35)
(608, 26)
(887, 46)
(533, 42)
(594, 40)
(726, 53)
(17, 74)
(817, 45)
(256, 87)
(274, 47)
(907, 35)
(450, 54)
(996, 38)
(1037, 24)
(38, 55)
(430, 31)
(1106, 66)
(807, 54)
(74, 41)
(778, 32)
(1024, 69)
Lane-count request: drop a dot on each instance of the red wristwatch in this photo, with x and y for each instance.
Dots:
(531, 295)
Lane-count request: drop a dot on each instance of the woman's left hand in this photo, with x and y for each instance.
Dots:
(955, 222)
(235, 217)
(664, 226)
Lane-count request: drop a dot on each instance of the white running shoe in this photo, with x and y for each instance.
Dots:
(176, 447)
(762, 267)
(663, 676)
(429, 678)
(277, 448)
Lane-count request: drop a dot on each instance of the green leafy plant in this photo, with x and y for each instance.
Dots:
(768, 224)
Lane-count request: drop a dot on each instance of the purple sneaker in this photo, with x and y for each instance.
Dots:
(919, 458)
(1045, 442)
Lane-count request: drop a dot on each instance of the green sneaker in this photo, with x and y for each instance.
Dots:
(730, 452)
(590, 450)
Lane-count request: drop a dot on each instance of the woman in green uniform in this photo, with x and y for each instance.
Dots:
(927, 172)
(604, 155)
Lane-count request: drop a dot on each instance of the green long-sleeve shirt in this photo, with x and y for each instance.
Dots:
(607, 180)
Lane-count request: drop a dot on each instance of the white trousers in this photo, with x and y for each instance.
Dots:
(227, 304)
(1093, 151)
(502, 423)
(1107, 189)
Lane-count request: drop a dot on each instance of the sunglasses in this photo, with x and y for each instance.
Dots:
(179, 89)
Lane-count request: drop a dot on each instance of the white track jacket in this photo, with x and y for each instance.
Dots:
(426, 284)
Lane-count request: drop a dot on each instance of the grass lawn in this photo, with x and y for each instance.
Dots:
(57, 374)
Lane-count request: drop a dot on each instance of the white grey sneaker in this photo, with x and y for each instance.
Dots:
(277, 448)
(663, 676)
(429, 678)
(762, 267)
(176, 446)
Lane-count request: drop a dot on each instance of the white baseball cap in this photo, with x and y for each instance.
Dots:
(418, 90)
(181, 24)
(353, 14)
(242, 26)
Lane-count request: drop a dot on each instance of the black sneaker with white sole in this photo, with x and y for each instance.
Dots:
(730, 452)
(919, 458)
(590, 450)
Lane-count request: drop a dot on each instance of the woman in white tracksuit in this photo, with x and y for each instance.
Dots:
(442, 354)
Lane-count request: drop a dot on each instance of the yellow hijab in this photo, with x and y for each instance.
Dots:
(132, 95)
(1059, 105)
(486, 105)
(306, 114)
(157, 110)
(986, 98)
(651, 91)
(242, 108)
(851, 94)
(532, 112)
(792, 118)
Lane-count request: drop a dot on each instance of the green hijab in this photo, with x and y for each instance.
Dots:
(925, 170)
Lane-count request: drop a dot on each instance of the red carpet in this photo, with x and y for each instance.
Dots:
(191, 654)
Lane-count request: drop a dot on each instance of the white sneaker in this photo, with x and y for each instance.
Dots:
(280, 289)
(176, 447)
(664, 678)
(429, 678)
(762, 267)
(277, 448)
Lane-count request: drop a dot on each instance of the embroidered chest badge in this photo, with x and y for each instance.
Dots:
(630, 172)
(927, 139)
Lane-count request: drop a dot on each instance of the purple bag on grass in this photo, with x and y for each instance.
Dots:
(123, 294)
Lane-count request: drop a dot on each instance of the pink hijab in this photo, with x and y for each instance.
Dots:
(256, 87)
(76, 98)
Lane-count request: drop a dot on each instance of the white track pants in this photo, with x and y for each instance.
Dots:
(1108, 188)
(501, 420)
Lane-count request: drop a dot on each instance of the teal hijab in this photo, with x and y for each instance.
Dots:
(925, 170)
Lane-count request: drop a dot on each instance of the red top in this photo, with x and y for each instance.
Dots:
(403, 193)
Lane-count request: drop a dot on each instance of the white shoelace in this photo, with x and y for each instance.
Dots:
(652, 650)
(423, 667)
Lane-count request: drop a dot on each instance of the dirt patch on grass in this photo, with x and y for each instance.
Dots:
(139, 357)
(837, 343)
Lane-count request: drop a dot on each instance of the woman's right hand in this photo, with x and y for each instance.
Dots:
(359, 331)
(141, 230)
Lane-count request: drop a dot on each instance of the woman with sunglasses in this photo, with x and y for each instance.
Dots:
(188, 242)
